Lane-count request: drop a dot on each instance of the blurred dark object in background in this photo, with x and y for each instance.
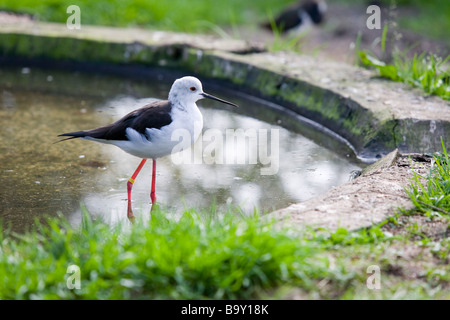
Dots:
(299, 15)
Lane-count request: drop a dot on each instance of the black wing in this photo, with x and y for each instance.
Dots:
(154, 115)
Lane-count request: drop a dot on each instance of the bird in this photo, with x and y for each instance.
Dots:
(298, 15)
(147, 132)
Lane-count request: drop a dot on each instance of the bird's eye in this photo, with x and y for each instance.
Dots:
(193, 89)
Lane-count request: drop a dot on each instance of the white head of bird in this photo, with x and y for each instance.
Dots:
(188, 90)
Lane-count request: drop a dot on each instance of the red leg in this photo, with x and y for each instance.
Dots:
(130, 186)
(153, 192)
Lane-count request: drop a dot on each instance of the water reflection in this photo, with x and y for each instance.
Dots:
(39, 177)
(305, 170)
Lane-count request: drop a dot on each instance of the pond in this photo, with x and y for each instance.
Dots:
(259, 157)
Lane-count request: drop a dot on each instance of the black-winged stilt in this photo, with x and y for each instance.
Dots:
(146, 132)
(299, 15)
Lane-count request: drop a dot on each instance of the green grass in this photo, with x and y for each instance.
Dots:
(192, 258)
(175, 15)
(433, 198)
(426, 71)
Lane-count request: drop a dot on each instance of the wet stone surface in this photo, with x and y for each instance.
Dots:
(366, 200)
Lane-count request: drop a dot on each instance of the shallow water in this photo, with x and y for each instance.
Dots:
(39, 177)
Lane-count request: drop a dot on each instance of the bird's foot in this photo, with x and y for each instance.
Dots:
(132, 219)
(155, 206)
(130, 213)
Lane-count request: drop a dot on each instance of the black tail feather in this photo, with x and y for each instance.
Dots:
(72, 135)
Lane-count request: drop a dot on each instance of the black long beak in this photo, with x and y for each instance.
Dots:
(218, 99)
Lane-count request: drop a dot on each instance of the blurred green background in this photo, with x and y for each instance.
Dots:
(176, 15)
(429, 18)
